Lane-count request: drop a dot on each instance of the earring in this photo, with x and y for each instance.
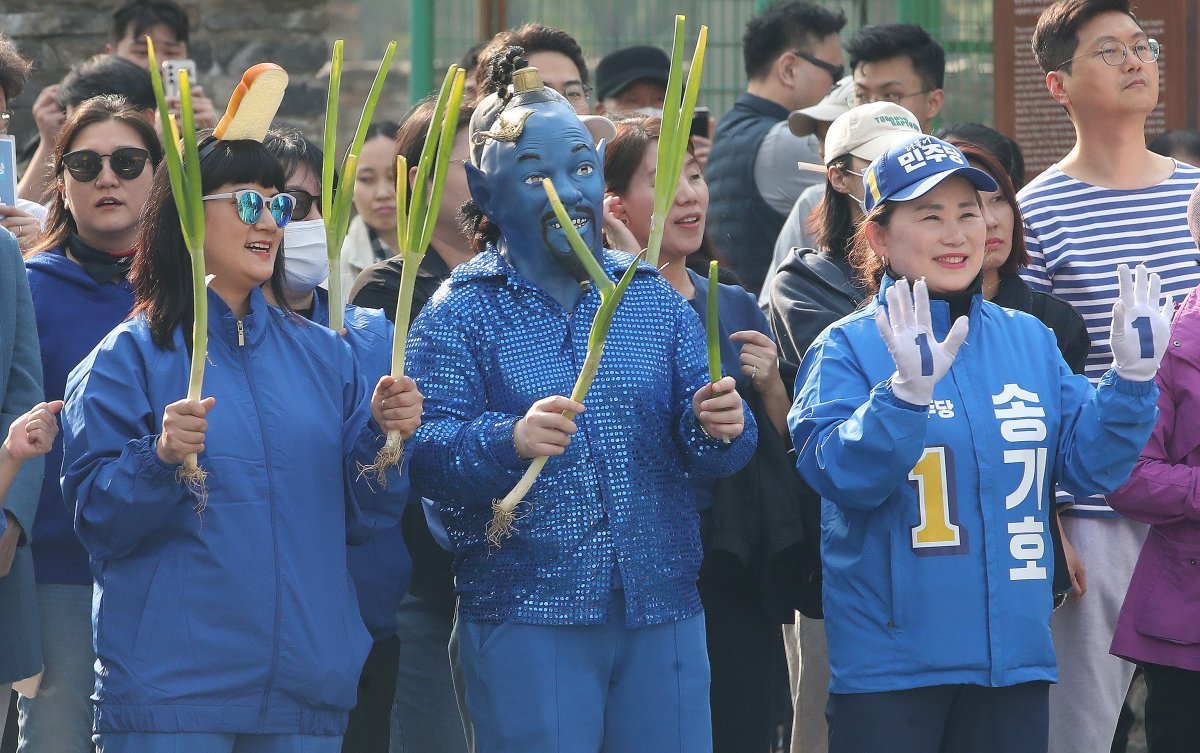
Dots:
(624, 221)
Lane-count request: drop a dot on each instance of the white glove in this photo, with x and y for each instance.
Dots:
(908, 331)
(1139, 328)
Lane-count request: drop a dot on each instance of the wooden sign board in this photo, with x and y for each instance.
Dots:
(1024, 109)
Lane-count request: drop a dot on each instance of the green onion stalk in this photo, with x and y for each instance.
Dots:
(337, 201)
(504, 514)
(675, 132)
(712, 326)
(183, 169)
(414, 229)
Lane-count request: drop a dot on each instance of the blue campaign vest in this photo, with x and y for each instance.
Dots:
(740, 221)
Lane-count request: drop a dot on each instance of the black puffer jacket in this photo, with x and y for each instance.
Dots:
(811, 290)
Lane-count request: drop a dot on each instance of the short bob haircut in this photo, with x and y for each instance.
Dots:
(161, 274)
(60, 223)
(986, 161)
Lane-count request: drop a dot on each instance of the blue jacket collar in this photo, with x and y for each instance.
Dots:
(939, 311)
(224, 325)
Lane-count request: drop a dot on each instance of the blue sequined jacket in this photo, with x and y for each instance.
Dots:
(617, 507)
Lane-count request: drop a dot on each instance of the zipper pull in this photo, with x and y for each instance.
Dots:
(241, 333)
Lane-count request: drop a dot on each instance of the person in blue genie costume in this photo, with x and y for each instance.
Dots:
(583, 631)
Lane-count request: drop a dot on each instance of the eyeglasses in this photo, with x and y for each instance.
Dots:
(5, 116)
(855, 173)
(85, 165)
(837, 71)
(575, 93)
(304, 203)
(862, 98)
(1114, 53)
(250, 205)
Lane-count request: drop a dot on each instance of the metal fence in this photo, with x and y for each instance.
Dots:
(963, 27)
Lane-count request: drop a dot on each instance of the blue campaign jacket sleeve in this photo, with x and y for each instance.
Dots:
(705, 456)
(120, 489)
(1103, 431)
(461, 443)
(855, 443)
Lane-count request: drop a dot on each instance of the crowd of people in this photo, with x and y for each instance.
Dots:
(942, 496)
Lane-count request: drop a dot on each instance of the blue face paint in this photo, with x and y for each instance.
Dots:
(508, 188)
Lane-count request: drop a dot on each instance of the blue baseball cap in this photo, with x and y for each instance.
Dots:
(911, 168)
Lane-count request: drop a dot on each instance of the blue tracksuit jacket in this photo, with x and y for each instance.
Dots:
(937, 557)
(244, 620)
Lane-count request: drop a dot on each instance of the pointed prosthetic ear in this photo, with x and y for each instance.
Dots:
(480, 192)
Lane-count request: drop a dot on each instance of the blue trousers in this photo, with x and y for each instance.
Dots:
(203, 742)
(942, 719)
(588, 688)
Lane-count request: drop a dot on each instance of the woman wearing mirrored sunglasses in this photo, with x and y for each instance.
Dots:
(77, 274)
(237, 630)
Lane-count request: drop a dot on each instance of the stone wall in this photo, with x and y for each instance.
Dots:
(227, 37)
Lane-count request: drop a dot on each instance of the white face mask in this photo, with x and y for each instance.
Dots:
(653, 112)
(305, 258)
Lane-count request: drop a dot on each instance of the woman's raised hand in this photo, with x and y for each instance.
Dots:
(907, 329)
(1140, 329)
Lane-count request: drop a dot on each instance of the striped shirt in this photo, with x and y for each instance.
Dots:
(1077, 234)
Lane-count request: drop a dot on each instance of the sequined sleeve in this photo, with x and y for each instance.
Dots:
(461, 445)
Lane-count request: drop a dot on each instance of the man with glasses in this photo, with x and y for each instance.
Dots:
(793, 57)
(25, 219)
(1109, 201)
(901, 64)
(556, 55)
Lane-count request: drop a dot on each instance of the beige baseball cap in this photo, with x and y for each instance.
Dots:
(868, 130)
(837, 101)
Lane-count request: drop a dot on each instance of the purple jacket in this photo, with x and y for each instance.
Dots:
(1160, 620)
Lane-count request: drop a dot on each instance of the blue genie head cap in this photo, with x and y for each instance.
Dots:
(519, 136)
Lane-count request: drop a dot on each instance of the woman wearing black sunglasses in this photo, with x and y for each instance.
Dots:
(237, 629)
(104, 163)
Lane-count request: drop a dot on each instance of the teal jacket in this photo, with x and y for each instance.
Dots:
(20, 390)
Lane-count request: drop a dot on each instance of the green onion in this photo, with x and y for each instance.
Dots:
(183, 169)
(713, 327)
(713, 330)
(504, 511)
(675, 132)
(414, 229)
(337, 200)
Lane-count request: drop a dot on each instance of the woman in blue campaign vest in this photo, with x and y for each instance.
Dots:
(935, 448)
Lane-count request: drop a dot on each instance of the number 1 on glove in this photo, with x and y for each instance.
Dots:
(1140, 329)
(907, 329)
